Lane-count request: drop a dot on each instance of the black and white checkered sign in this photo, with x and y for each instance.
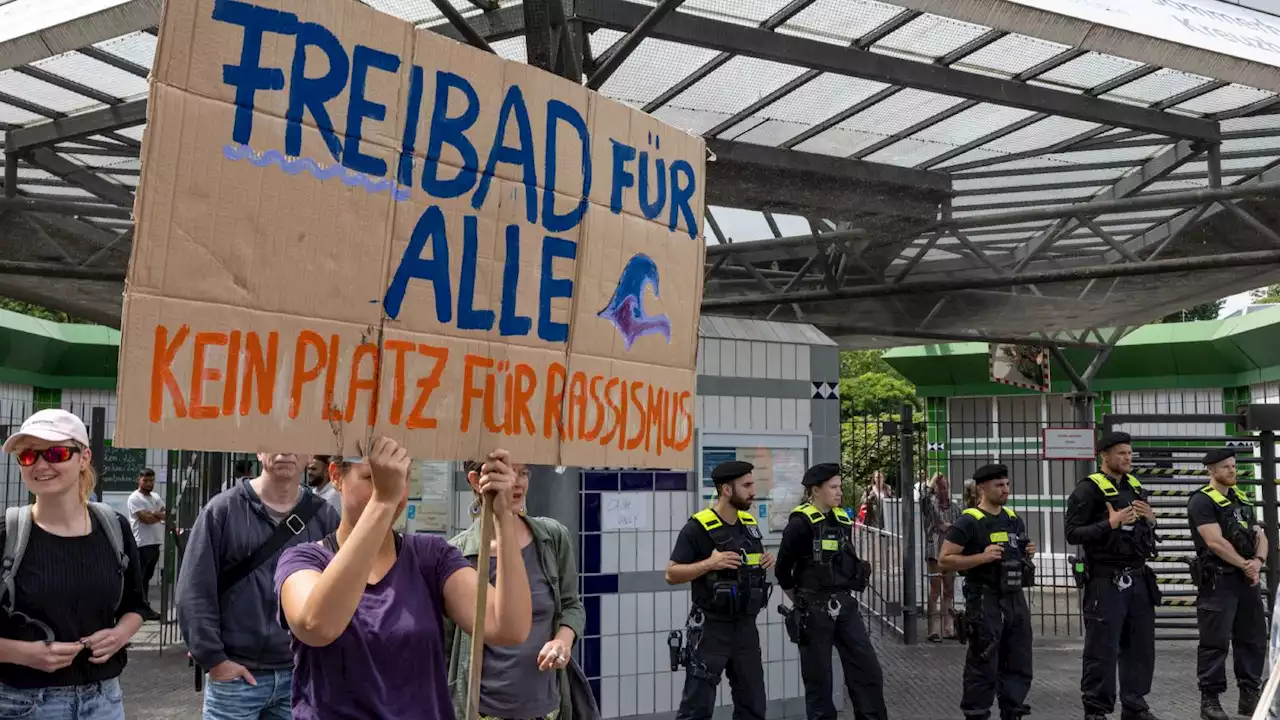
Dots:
(826, 391)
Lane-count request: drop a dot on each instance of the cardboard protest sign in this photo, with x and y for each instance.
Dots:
(347, 225)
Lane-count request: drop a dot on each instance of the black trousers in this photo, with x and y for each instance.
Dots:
(998, 662)
(730, 647)
(149, 556)
(1230, 615)
(848, 636)
(1119, 629)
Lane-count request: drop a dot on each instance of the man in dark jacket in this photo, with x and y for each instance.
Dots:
(227, 607)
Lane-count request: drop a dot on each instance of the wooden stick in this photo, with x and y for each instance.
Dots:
(1268, 695)
(482, 592)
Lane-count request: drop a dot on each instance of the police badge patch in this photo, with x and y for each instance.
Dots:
(753, 531)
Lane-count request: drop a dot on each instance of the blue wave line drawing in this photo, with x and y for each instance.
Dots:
(294, 166)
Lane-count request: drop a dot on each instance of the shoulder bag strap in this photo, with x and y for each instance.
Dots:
(291, 526)
(110, 521)
(17, 528)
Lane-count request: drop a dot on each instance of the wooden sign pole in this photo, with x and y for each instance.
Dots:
(482, 593)
(1268, 695)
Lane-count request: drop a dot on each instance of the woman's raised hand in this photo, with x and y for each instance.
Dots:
(497, 477)
(389, 464)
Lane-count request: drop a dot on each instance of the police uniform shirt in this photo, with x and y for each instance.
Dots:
(795, 553)
(694, 544)
(1088, 524)
(1205, 510)
(974, 535)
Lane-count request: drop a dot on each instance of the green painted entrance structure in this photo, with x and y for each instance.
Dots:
(1235, 352)
(48, 354)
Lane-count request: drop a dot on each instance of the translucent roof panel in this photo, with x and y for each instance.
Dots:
(11, 115)
(82, 69)
(1087, 71)
(649, 71)
(1011, 55)
(800, 110)
(1159, 85)
(839, 21)
(42, 93)
(138, 48)
(1224, 99)
(930, 37)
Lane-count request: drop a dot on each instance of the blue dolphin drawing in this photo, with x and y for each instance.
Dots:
(626, 309)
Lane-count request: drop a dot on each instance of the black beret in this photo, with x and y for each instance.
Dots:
(727, 472)
(1217, 455)
(1113, 439)
(820, 473)
(990, 472)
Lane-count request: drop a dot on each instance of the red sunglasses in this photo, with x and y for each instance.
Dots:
(53, 455)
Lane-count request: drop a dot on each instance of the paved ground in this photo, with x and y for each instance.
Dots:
(922, 682)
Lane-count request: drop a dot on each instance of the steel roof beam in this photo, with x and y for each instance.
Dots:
(1152, 171)
(874, 330)
(94, 122)
(793, 50)
(82, 31)
(492, 26)
(836, 167)
(81, 176)
(1041, 277)
(775, 20)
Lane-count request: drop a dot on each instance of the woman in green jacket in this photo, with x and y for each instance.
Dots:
(537, 679)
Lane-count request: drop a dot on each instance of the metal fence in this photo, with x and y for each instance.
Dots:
(953, 437)
(187, 480)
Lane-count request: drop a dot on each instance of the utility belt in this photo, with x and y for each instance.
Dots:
(1083, 572)
(1206, 568)
(730, 599)
(796, 619)
(684, 649)
(824, 578)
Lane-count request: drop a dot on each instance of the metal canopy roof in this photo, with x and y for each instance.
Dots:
(1001, 172)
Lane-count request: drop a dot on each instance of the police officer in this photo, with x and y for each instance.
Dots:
(721, 552)
(990, 547)
(1230, 551)
(1109, 518)
(819, 571)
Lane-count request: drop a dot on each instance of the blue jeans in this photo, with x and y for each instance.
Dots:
(95, 701)
(270, 699)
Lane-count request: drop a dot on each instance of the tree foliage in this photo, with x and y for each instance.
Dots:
(1266, 295)
(37, 311)
(1203, 311)
(870, 386)
(871, 395)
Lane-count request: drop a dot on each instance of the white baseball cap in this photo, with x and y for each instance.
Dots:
(52, 425)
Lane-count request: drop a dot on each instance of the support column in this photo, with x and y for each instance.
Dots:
(907, 443)
(1270, 513)
(1082, 404)
(556, 495)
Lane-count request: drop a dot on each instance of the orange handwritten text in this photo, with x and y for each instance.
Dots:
(332, 378)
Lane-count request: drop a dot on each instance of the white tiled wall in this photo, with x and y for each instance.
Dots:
(1169, 401)
(753, 359)
(635, 664)
(753, 414)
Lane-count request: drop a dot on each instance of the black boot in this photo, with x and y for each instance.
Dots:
(1211, 709)
(1249, 700)
(1094, 716)
(1015, 713)
(1140, 715)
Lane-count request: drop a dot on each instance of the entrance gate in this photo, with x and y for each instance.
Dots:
(1170, 467)
(964, 433)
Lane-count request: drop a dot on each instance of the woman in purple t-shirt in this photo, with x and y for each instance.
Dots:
(367, 606)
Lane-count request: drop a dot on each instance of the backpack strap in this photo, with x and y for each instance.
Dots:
(110, 521)
(17, 530)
